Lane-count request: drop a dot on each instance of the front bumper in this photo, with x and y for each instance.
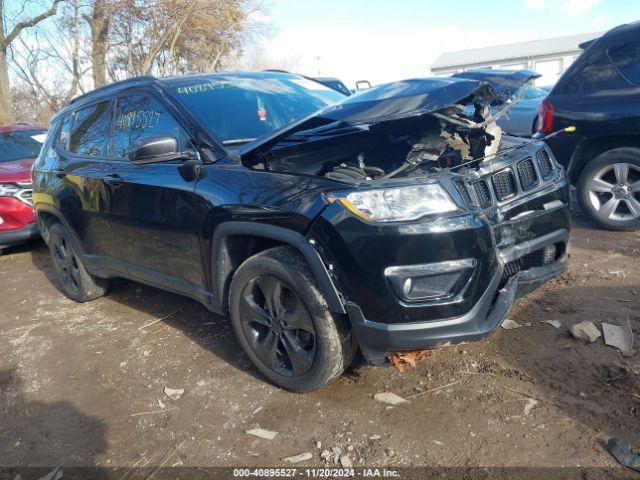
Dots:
(17, 236)
(515, 246)
(378, 340)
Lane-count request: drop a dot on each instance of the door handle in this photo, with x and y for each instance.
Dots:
(113, 180)
(59, 173)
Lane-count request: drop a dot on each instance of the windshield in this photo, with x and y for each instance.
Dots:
(21, 144)
(238, 109)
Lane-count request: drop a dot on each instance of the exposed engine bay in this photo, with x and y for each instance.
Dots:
(448, 136)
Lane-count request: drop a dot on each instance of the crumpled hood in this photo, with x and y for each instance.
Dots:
(16, 170)
(404, 99)
(504, 83)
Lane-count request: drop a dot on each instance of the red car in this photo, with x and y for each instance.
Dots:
(19, 146)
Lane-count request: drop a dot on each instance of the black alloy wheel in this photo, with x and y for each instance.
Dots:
(66, 263)
(278, 326)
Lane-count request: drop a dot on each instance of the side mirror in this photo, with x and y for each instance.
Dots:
(155, 150)
(363, 85)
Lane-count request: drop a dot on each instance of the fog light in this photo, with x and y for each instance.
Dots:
(406, 288)
(430, 281)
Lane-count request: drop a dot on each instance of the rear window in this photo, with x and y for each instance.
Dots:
(240, 109)
(21, 144)
(627, 59)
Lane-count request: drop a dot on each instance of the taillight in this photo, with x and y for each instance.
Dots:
(545, 117)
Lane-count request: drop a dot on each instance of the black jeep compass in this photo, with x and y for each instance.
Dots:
(399, 218)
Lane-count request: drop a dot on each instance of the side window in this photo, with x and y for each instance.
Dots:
(90, 128)
(627, 58)
(595, 74)
(62, 141)
(139, 116)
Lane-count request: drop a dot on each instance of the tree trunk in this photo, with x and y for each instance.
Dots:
(6, 99)
(99, 42)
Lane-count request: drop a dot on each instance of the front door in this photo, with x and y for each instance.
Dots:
(152, 205)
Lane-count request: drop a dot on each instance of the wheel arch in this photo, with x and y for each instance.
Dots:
(46, 216)
(589, 149)
(257, 237)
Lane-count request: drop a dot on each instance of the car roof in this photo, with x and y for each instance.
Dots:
(616, 35)
(115, 88)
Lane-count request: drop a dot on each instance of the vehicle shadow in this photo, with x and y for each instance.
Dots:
(46, 435)
(210, 331)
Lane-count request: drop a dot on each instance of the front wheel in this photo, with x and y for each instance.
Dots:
(609, 189)
(283, 323)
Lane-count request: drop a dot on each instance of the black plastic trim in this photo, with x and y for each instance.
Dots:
(279, 234)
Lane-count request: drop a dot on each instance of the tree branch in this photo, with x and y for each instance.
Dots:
(29, 23)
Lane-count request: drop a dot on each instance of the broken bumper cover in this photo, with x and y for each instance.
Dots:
(378, 340)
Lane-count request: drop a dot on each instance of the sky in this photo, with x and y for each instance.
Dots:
(382, 40)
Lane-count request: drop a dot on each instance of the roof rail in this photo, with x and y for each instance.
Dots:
(113, 85)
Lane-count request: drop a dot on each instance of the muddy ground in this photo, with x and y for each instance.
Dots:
(82, 385)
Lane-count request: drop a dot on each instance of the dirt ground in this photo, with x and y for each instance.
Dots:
(82, 384)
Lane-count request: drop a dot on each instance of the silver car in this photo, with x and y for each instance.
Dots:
(524, 114)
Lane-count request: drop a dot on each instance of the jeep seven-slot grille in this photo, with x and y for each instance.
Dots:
(482, 193)
(464, 193)
(527, 174)
(504, 184)
(544, 162)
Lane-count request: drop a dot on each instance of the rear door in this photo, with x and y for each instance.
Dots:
(152, 205)
(78, 177)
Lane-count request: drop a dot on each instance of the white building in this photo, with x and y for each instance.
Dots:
(549, 57)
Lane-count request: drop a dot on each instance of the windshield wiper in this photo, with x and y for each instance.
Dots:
(237, 141)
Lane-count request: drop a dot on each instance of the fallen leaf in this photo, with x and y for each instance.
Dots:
(389, 397)
(400, 360)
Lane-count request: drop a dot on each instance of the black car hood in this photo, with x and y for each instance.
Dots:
(403, 99)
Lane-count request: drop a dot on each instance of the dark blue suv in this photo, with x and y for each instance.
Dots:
(395, 219)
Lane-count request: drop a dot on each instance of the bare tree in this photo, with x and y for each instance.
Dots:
(168, 37)
(53, 62)
(93, 42)
(100, 22)
(6, 39)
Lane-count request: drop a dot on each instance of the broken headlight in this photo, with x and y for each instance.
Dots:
(397, 204)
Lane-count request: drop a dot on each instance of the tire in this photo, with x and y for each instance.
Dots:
(77, 283)
(609, 189)
(283, 323)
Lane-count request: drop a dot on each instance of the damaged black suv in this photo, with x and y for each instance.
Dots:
(399, 218)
